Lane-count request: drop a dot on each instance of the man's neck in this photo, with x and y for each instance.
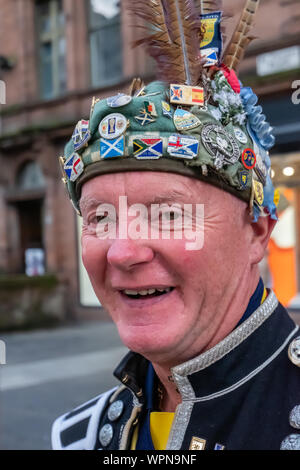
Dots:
(171, 397)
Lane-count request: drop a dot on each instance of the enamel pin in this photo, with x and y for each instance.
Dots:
(81, 134)
(197, 443)
(183, 94)
(112, 148)
(183, 146)
(147, 148)
(112, 126)
(73, 167)
(184, 120)
(248, 159)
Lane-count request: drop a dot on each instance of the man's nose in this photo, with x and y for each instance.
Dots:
(125, 254)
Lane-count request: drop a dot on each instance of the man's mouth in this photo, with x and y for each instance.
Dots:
(146, 293)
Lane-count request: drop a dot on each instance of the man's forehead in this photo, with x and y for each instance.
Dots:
(152, 187)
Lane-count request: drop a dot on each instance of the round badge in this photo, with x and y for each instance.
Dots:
(248, 159)
(112, 126)
(118, 100)
(295, 417)
(106, 434)
(115, 410)
(240, 135)
(292, 442)
(220, 144)
(294, 351)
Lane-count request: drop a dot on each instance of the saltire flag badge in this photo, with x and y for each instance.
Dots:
(112, 148)
(148, 148)
(183, 146)
(212, 39)
(73, 167)
(81, 134)
(184, 94)
(211, 57)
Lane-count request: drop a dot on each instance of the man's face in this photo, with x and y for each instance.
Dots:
(201, 283)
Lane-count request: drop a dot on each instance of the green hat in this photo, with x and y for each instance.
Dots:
(208, 129)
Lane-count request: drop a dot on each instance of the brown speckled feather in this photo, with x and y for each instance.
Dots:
(173, 39)
(235, 50)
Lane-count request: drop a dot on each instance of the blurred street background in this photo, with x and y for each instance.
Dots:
(55, 56)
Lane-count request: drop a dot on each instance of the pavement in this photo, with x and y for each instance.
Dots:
(49, 372)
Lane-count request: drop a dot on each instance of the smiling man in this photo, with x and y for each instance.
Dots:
(173, 184)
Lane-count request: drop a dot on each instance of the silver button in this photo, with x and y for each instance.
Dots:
(115, 410)
(106, 434)
(295, 417)
(291, 442)
(294, 351)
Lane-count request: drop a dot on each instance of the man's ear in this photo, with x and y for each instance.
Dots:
(261, 232)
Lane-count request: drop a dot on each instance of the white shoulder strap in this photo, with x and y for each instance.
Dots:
(77, 430)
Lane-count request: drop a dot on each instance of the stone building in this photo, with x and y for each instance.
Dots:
(55, 56)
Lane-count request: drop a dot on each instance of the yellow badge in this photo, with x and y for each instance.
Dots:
(209, 28)
(276, 197)
(258, 192)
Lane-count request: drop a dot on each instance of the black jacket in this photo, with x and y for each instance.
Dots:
(243, 394)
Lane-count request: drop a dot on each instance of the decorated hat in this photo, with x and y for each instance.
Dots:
(197, 120)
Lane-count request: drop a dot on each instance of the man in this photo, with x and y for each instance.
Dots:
(178, 206)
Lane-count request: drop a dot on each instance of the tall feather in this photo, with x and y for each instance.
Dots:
(235, 50)
(174, 38)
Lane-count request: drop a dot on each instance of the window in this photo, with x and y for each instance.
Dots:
(50, 22)
(30, 177)
(105, 41)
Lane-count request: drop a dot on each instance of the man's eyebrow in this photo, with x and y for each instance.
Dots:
(173, 196)
(87, 202)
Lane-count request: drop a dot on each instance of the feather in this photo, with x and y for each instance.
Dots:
(235, 50)
(173, 39)
(210, 6)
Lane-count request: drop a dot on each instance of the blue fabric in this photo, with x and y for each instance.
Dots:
(144, 441)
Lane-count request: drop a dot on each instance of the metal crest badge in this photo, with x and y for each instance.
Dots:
(248, 159)
(118, 100)
(73, 167)
(113, 125)
(183, 146)
(112, 148)
(220, 144)
(184, 120)
(81, 134)
(188, 95)
(147, 148)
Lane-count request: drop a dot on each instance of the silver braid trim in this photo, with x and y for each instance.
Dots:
(184, 410)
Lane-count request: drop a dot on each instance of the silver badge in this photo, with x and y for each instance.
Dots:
(112, 126)
(294, 351)
(291, 442)
(220, 144)
(106, 434)
(115, 410)
(118, 100)
(295, 417)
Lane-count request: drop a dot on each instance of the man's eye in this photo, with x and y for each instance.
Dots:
(96, 219)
